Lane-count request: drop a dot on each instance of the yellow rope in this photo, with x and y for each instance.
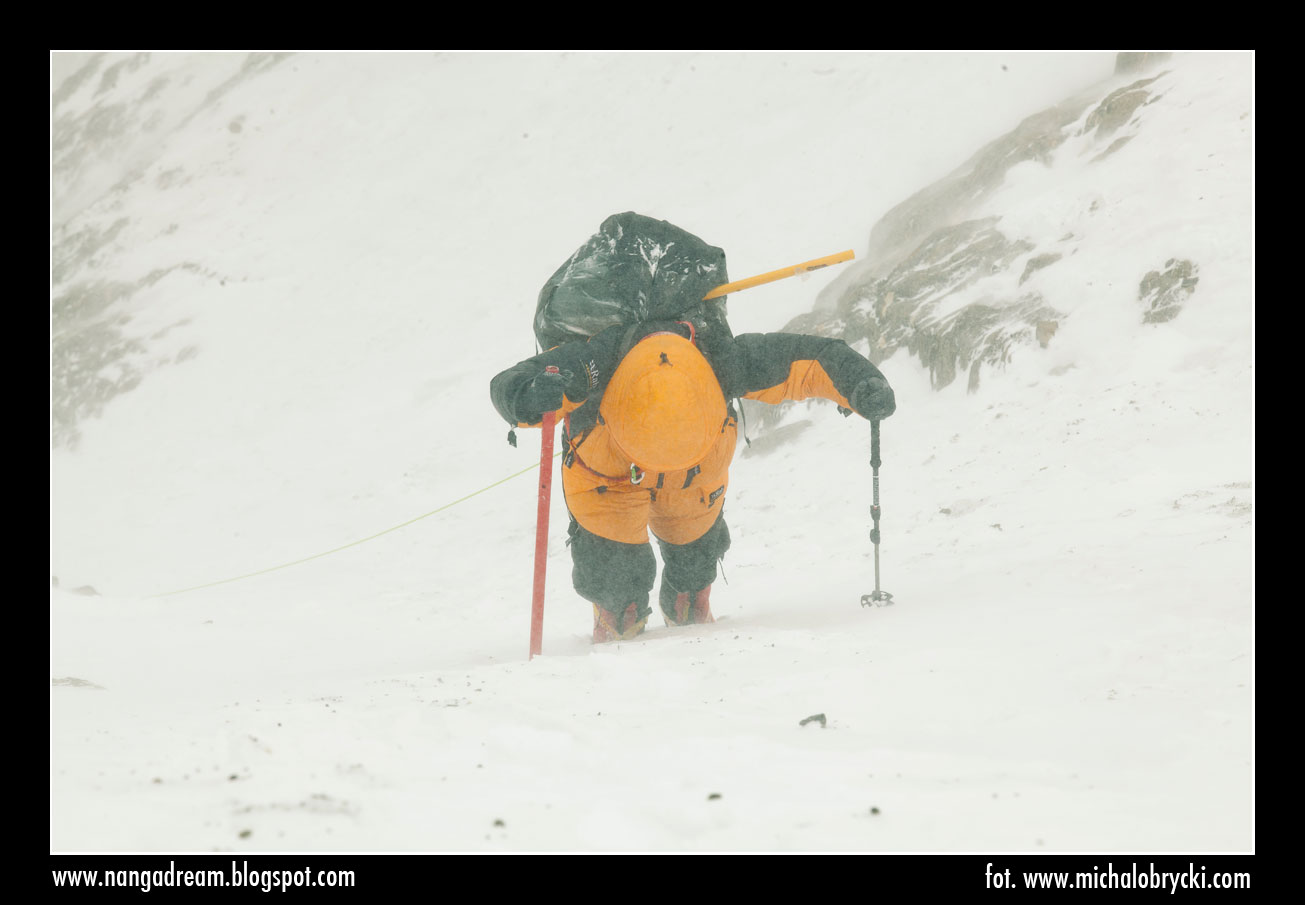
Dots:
(354, 543)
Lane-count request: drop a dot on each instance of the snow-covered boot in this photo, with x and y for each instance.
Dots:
(684, 608)
(609, 626)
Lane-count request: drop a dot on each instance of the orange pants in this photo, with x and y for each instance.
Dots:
(678, 506)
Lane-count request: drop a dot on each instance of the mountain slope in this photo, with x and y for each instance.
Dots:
(302, 281)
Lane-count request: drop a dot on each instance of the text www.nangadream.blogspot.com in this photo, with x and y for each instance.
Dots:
(239, 875)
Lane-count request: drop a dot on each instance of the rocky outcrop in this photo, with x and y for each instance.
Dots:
(1162, 293)
(110, 122)
(949, 287)
(909, 306)
(950, 200)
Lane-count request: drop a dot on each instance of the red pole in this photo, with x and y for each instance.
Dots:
(541, 533)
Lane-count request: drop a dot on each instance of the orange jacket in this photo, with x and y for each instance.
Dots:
(767, 367)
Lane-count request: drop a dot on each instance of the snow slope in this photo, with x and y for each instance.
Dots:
(329, 255)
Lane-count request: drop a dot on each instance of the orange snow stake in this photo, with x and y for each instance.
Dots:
(541, 532)
(781, 274)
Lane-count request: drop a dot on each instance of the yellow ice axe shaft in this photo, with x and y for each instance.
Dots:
(782, 273)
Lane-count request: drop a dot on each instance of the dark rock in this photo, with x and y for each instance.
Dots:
(1116, 109)
(1037, 263)
(1164, 292)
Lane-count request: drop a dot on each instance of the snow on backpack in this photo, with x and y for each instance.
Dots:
(634, 269)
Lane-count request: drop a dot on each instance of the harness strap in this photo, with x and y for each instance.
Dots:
(573, 457)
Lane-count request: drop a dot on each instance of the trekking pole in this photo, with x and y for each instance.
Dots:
(879, 597)
(782, 273)
(541, 529)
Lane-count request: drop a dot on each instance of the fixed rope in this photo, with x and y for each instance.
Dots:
(364, 540)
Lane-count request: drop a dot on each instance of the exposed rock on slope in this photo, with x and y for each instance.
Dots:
(945, 281)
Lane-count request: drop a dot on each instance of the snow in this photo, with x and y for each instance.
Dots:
(345, 248)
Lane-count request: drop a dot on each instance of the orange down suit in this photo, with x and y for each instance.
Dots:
(650, 432)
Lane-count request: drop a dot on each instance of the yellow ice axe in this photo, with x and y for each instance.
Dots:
(782, 273)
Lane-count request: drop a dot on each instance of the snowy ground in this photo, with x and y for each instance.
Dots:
(1069, 664)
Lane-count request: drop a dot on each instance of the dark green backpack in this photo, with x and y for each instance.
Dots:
(634, 269)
